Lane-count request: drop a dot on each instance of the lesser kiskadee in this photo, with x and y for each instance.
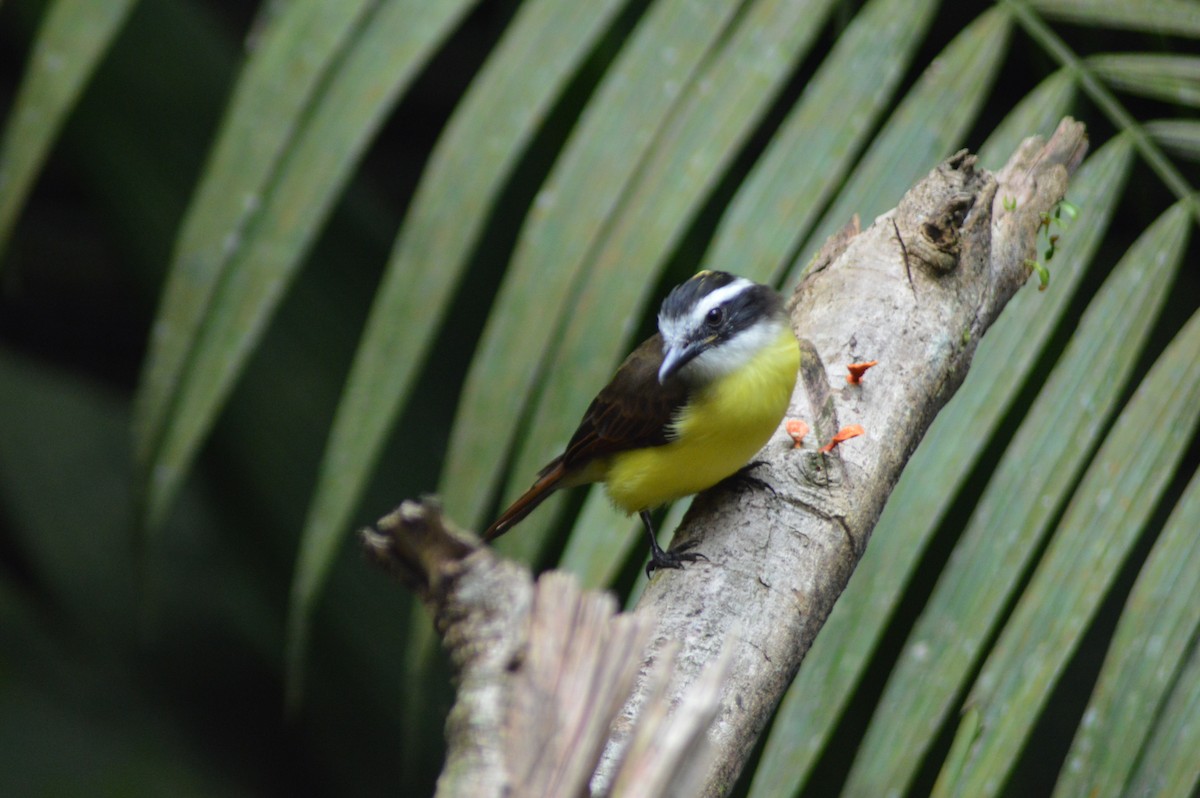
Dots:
(687, 409)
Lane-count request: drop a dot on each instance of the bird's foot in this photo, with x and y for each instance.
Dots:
(673, 558)
(742, 479)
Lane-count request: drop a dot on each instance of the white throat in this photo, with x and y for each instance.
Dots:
(731, 355)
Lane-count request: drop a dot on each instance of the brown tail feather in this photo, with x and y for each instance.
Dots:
(547, 482)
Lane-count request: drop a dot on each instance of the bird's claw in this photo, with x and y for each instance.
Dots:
(673, 558)
(743, 479)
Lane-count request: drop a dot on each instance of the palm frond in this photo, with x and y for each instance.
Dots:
(617, 145)
(72, 38)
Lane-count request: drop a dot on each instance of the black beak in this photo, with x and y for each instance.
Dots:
(676, 357)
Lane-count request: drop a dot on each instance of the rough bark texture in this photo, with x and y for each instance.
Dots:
(544, 670)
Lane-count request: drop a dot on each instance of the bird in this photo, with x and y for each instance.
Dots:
(688, 408)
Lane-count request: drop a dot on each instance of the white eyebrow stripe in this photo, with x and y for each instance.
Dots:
(718, 297)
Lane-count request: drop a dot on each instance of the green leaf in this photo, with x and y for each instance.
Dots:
(957, 756)
(1169, 765)
(1054, 46)
(926, 127)
(1149, 651)
(276, 87)
(1172, 78)
(72, 39)
(466, 173)
(1165, 17)
(63, 453)
(62, 692)
(1037, 115)
(1028, 486)
(67, 498)
(1116, 497)
(716, 115)
(138, 138)
(1180, 136)
(237, 257)
(929, 483)
(817, 143)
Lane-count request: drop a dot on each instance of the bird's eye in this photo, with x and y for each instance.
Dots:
(715, 317)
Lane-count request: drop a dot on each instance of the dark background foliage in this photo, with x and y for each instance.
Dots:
(134, 665)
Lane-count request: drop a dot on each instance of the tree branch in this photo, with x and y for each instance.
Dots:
(544, 671)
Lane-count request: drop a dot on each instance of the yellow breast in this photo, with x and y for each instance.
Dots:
(722, 426)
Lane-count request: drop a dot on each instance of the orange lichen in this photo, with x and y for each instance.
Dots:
(797, 429)
(857, 370)
(844, 434)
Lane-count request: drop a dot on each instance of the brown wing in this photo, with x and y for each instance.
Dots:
(631, 412)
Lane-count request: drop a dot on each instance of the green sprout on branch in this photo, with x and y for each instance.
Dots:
(1050, 220)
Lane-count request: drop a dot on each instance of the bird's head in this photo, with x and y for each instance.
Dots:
(715, 323)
